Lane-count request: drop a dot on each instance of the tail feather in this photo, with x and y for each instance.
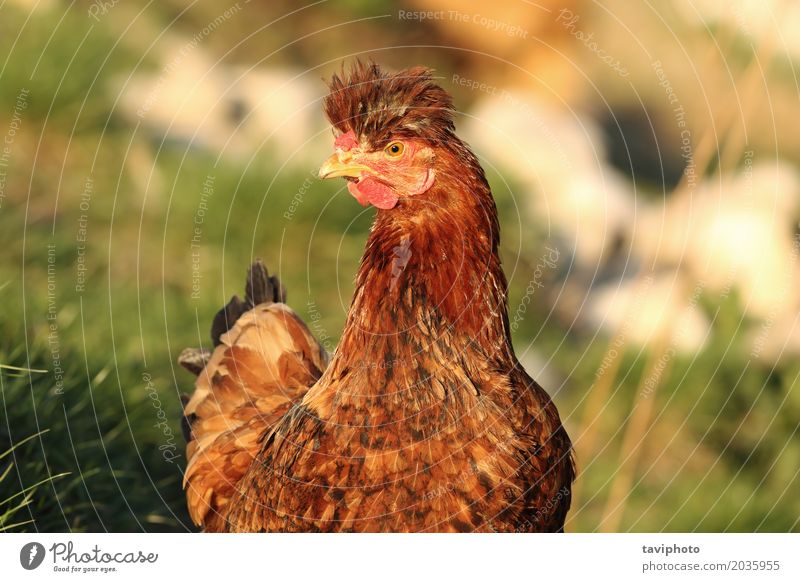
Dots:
(265, 360)
(259, 288)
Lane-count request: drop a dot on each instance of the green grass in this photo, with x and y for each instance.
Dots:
(93, 462)
(12, 506)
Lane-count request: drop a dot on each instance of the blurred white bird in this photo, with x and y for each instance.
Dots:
(734, 232)
(558, 158)
(231, 110)
(658, 307)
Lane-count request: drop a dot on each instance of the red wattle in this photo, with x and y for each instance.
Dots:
(370, 190)
(353, 188)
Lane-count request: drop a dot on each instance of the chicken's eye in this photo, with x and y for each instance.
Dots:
(394, 149)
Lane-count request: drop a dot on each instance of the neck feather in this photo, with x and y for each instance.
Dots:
(430, 277)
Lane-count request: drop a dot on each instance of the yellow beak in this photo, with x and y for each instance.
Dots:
(336, 167)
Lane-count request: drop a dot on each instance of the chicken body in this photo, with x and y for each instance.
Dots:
(424, 420)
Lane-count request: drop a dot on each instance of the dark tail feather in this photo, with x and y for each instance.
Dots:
(260, 288)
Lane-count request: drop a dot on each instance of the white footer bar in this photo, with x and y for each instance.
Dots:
(383, 558)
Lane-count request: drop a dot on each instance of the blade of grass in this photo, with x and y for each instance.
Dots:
(22, 442)
(18, 369)
(34, 486)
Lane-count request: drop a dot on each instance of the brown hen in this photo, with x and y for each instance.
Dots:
(423, 420)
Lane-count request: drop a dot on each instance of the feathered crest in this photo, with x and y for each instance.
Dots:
(378, 106)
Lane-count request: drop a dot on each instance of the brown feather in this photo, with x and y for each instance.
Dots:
(424, 420)
(378, 106)
(265, 362)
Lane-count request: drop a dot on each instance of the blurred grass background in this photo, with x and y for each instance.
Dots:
(718, 449)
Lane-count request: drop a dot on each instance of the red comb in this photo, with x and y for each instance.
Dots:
(346, 141)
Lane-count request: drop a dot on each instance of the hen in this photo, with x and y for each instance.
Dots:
(423, 420)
